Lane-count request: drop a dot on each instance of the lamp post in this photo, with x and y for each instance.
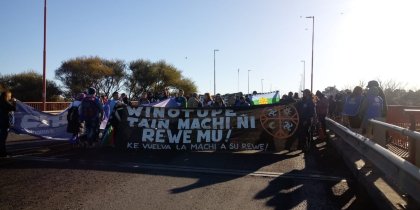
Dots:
(312, 60)
(238, 80)
(44, 81)
(214, 59)
(262, 86)
(304, 74)
(248, 81)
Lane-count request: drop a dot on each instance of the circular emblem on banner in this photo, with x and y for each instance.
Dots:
(280, 121)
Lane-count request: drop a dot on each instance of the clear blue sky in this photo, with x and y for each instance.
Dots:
(355, 40)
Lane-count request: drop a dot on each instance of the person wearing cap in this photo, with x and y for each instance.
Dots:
(306, 110)
(374, 83)
(91, 113)
(371, 108)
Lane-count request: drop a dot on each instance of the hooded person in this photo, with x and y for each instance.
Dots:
(374, 83)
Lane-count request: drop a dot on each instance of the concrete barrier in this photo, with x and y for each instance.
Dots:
(387, 177)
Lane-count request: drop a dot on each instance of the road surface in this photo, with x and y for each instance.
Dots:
(43, 174)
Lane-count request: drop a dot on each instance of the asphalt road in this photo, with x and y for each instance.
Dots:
(45, 174)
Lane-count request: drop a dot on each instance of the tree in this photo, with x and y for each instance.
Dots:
(27, 86)
(112, 82)
(83, 72)
(142, 77)
(331, 90)
(148, 76)
(187, 85)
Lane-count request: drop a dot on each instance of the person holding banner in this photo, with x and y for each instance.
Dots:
(114, 100)
(242, 102)
(143, 99)
(7, 107)
(73, 123)
(181, 100)
(218, 102)
(208, 100)
(194, 102)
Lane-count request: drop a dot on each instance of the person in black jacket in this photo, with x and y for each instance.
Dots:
(7, 106)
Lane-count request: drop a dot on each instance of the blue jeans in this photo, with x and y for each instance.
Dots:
(92, 131)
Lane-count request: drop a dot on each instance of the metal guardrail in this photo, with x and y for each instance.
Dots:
(402, 116)
(51, 106)
(400, 173)
(403, 131)
(413, 138)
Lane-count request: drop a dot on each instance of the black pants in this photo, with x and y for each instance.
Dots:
(303, 133)
(3, 136)
(322, 121)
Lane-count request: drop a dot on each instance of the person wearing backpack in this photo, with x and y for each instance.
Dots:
(371, 108)
(73, 123)
(351, 108)
(91, 113)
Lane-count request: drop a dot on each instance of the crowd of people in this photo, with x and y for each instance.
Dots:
(88, 110)
(353, 109)
(356, 108)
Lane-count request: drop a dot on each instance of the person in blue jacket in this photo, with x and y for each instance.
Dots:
(371, 108)
(352, 107)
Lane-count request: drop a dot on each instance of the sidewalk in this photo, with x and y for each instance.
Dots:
(13, 137)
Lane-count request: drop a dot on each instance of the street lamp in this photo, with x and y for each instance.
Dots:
(238, 80)
(262, 86)
(304, 74)
(248, 81)
(214, 57)
(44, 81)
(312, 61)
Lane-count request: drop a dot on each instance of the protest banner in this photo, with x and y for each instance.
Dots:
(234, 128)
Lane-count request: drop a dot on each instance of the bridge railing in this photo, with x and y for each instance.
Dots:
(399, 172)
(402, 117)
(379, 136)
(51, 106)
